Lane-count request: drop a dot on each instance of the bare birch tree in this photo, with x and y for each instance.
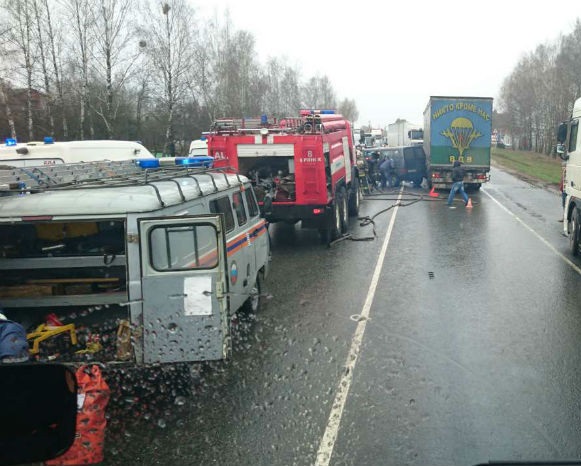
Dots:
(116, 54)
(6, 52)
(348, 108)
(318, 92)
(170, 47)
(53, 38)
(22, 37)
(201, 81)
(81, 18)
(290, 91)
(163, 80)
(7, 108)
(40, 45)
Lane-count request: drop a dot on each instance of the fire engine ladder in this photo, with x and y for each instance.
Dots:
(253, 125)
(106, 174)
(230, 125)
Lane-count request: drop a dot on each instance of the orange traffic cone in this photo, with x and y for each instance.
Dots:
(469, 204)
(433, 193)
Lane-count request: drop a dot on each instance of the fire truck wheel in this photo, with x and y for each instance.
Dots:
(332, 230)
(574, 232)
(355, 198)
(325, 235)
(344, 210)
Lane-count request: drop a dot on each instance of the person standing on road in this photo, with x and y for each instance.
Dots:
(373, 169)
(387, 172)
(458, 180)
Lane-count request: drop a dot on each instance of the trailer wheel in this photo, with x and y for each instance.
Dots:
(355, 198)
(574, 232)
(344, 223)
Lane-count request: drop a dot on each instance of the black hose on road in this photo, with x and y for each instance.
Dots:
(403, 198)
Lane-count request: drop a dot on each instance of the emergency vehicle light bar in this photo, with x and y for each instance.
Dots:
(305, 112)
(148, 163)
(200, 161)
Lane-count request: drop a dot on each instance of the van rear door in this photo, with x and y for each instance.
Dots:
(184, 290)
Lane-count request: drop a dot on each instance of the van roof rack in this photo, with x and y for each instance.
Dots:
(105, 174)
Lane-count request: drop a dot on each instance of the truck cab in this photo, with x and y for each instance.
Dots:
(569, 149)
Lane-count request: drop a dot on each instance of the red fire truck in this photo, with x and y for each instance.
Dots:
(303, 169)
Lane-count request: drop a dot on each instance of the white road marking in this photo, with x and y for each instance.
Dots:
(330, 436)
(543, 240)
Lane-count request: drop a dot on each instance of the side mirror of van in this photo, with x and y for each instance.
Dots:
(39, 412)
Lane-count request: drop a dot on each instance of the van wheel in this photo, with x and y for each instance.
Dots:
(253, 303)
(344, 210)
(355, 198)
(574, 232)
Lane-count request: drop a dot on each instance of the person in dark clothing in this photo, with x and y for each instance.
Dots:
(171, 148)
(458, 180)
(372, 161)
(387, 169)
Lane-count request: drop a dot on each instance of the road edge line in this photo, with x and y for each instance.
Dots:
(327, 444)
(543, 240)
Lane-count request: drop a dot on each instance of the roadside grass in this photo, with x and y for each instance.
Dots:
(529, 164)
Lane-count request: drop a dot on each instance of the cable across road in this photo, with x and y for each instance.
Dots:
(402, 198)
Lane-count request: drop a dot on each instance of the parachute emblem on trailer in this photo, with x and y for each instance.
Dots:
(461, 134)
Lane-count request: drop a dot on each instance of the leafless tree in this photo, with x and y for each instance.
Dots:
(7, 108)
(290, 91)
(115, 55)
(318, 92)
(6, 51)
(22, 37)
(536, 96)
(348, 108)
(40, 45)
(52, 38)
(170, 47)
(81, 17)
(159, 80)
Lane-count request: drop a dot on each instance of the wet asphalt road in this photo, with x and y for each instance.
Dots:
(470, 354)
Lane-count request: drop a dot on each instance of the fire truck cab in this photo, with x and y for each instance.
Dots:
(303, 169)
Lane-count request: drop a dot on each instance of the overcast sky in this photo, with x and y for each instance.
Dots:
(391, 56)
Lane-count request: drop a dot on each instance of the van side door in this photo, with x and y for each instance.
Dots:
(183, 266)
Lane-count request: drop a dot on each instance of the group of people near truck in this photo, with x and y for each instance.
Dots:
(379, 170)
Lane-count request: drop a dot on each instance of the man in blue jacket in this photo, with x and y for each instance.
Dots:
(458, 180)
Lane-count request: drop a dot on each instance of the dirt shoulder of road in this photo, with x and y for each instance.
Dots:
(528, 178)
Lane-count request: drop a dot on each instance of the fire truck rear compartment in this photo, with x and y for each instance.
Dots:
(272, 176)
